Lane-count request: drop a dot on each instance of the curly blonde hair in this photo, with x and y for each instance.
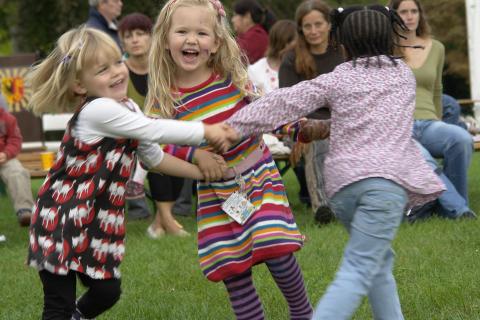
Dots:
(52, 79)
(227, 61)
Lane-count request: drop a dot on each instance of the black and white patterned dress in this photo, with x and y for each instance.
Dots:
(78, 221)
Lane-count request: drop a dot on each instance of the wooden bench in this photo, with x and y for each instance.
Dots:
(476, 143)
(32, 161)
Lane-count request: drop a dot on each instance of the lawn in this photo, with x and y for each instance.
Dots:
(437, 269)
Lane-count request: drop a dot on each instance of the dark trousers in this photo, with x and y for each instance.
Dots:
(60, 295)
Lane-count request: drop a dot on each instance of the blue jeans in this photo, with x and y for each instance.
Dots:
(451, 204)
(452, 111)
(450, 142)
(371, 210)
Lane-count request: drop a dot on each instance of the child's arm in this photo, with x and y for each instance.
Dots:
(282, 106)
(105, 117)
(176, 167)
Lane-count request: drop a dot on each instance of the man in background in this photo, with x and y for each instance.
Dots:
(103, 16)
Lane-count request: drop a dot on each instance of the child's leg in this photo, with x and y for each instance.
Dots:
(243, 297)
(288, 276)
(59, 295)
(100, 296)
(371, 210)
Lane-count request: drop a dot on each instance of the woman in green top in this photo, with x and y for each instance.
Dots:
(425, 56)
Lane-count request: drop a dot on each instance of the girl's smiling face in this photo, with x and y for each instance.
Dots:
(191, 40)
(107, 77)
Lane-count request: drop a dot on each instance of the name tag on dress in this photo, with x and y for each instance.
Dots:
(238, 207)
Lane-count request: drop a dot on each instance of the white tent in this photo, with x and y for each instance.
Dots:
(473, 32)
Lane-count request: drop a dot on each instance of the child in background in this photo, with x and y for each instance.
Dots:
(264, 72)
(374, 168)
(77, 226)
(196, 73)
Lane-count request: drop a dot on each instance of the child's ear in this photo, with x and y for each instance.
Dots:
(78, 88)
(216, 46)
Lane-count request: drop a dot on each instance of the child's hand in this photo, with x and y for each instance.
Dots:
(212, 165)
(314, 130)
(221, 136)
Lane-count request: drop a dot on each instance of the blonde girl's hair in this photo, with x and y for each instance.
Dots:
(227, 61)
(52, 79)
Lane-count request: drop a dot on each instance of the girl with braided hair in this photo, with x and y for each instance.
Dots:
(374, 168)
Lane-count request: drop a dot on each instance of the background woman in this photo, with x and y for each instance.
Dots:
(252, 22)
(136, 34)
(425, 56)
(311, 57)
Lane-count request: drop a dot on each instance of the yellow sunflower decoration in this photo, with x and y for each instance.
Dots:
(13, 87)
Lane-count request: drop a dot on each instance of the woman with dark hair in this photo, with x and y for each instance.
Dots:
(252, 22)
(374, 168)
(425, 56)
(311, 57)
(135, 32)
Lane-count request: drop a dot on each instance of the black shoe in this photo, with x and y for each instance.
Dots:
(324, 215)
(421, 213)
(468, 215)
(23, 217)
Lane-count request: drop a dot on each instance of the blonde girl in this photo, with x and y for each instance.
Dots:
(196, 73)
(77, 228)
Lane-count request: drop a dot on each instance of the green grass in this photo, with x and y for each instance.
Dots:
(437, 270)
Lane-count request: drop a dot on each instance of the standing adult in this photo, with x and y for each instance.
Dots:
(103, 16)
(425, 56)
(311, 57)
(251, 21)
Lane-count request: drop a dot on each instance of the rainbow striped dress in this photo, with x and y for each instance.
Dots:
(226, 248)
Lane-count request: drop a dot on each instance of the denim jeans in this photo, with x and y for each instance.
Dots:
(452, 111)
(451, 143)
(371, 210)
(451, 204)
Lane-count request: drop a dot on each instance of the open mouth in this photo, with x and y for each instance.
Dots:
(190, 54)
(116, 83)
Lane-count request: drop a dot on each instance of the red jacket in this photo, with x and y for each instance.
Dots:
(254, 43)
(10, 136)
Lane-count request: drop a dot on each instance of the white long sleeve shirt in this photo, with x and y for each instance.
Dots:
(104, 117)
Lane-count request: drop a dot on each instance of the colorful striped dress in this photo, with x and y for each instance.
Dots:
(226, 248)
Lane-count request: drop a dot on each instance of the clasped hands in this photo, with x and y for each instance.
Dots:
(220, 136)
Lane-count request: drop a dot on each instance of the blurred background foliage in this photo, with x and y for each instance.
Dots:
(33, 26)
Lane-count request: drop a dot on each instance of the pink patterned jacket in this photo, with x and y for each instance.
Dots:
(371, 131)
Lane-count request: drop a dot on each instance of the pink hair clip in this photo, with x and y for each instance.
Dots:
(219, 7)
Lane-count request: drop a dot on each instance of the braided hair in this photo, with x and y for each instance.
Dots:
(366, 31)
